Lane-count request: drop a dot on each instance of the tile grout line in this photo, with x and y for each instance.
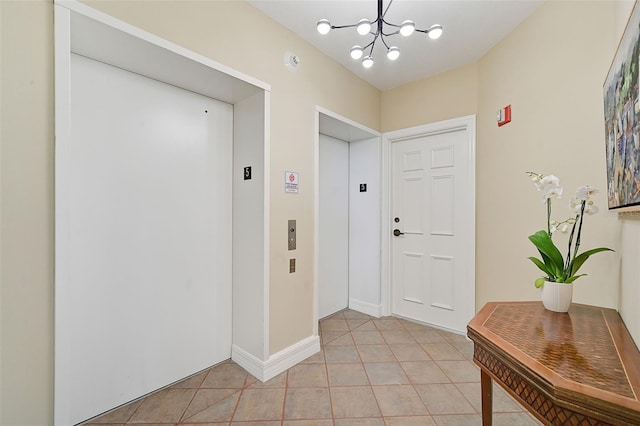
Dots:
(424, 404)
(395, 356)
(326, 370)
(193, 397)
(135, 411)
(235, 408)
(455, 384)
(367, 373)
(284, 399)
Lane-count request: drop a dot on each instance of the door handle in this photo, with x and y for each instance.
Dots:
(397, 232)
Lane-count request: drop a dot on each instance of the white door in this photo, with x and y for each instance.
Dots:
(145, 238)
(433, 213)
(333, 241)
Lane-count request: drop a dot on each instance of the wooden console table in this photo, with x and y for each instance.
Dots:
(580, 368)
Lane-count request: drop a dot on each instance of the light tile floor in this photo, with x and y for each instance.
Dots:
(387, 372)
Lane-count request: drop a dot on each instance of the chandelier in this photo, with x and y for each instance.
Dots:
(365, 26)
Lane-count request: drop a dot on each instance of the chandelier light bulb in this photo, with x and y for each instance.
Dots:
(435, 32)
(367, 62)
(323, 26)
(407, 28)
(393, 53)
(356, 52)
(364, 27)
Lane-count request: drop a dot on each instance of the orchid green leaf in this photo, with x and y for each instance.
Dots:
(573, 278)
(544, 244)
(582, 257)
(540, 265)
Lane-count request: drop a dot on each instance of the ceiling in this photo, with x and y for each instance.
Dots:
(471, 29)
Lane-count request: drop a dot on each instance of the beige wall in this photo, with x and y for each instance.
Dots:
(447, 95)
(26, 203)
(551, 70)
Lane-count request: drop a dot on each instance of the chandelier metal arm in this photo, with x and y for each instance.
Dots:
(400, 26)
(380, 18)
(390, 24)
(384, 42)
(386, 10)
(337, 27)
(373, 44)
(391, 34)
(370, 44)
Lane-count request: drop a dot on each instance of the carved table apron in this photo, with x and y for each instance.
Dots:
(577, 368)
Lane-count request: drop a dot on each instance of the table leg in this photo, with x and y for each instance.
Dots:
(487, 398)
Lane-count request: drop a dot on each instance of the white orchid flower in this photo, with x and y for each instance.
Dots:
(585, 192)
(564, 227)
(552, 191)
(575, 205)
(543, 182)
(550, 180)
(535, 178)
(591, 209)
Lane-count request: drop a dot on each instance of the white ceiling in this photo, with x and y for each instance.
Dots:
(471, 29)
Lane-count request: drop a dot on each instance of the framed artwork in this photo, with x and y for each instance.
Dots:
(622, 120)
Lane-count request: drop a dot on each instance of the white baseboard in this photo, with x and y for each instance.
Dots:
(278, 362)
(366, 308)
(247, 361)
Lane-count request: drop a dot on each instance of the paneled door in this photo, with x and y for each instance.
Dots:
(432, 218)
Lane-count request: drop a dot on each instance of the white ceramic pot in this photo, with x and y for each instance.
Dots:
(556, 297)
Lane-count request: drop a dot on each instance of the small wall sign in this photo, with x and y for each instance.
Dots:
(247, 173)
(291, 182)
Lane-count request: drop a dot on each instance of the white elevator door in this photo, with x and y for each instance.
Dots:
(333, 270)
(149, 293)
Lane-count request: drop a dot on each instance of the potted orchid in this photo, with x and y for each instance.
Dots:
(560, 272)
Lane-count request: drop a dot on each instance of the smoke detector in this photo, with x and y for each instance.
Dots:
(291, 61)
